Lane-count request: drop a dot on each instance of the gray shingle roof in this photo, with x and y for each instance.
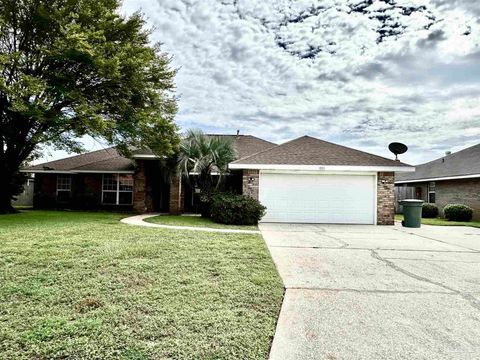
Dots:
(142, 152)
(307, 150)
(462, 163)
(101, 160)
(110, 160)
(247, 145)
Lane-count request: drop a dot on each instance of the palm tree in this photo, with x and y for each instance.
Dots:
(206, 158)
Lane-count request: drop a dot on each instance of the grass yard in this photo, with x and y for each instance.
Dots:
(84, 286)
(444, 222)
(196, 221)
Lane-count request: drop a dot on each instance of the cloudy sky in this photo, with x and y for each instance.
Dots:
(362, 73)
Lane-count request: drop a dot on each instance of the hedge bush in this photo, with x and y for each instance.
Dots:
(232, 209)
(458, 212)
(429, 211)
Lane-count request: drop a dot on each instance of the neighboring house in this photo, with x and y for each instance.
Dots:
(452, 179)
(305, 180)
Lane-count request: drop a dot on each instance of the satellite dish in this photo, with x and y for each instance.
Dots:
(397, 149)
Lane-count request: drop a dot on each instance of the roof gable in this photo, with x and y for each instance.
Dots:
(308, 150)
(101, 160)
(247, 145)
(462, 163)
(110, 160)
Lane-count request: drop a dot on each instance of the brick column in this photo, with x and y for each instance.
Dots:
(142, 199)
(142, 195)
(176, 195)
(139, 188)
(250, 180)
(386, 198)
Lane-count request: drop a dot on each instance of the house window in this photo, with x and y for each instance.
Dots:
(431, 192)
(117, 189)
(64, 187)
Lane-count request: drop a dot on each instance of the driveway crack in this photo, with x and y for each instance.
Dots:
(440, 241)
(473, 302)
(344, 244)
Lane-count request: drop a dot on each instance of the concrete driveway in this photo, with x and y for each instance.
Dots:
(376, 292)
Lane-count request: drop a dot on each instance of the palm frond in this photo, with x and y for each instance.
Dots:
(203, 155)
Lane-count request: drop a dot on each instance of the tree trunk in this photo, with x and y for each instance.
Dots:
(11, 184)
(5, 199)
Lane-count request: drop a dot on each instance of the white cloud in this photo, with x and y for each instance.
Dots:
(343, 70)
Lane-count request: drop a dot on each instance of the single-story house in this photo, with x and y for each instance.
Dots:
(104, 179)
(451, 179)
(305, 180)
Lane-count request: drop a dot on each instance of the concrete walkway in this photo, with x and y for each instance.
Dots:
(376, 292)
(138, 221)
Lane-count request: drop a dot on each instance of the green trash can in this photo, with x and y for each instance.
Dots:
(412, 213)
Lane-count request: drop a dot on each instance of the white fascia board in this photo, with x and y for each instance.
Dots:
(146, 157)
(439, 179)
(77, 172)
(47, 171)
(321, 167)
(105, 172)
(318, 172)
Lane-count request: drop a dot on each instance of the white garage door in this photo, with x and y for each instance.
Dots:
(306, 198)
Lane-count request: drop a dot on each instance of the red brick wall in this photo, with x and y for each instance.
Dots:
(45, 191)
(86, 192)
(465, 191)
(250, 183)
(386, 198)
(176, 195)
(461, 191)
(142, 195)
(93, 183)
(139, 193)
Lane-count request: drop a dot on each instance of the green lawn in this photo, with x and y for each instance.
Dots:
(196, 221)
(84, 286)
(444, 222)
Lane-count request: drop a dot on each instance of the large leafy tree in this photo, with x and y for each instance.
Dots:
(71, 68)
(206, 159)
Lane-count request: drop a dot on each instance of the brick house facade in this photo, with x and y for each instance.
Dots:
(106, 180)
(385, 193)
(250, 183)
(460, 191)
(452, 179)
(385, 198)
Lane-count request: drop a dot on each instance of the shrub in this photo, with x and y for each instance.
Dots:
(429, 211)
(227, 208)
(458, 212)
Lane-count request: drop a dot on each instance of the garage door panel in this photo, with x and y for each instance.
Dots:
(318, 198)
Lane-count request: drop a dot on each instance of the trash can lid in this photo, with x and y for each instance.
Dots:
(411, 201)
